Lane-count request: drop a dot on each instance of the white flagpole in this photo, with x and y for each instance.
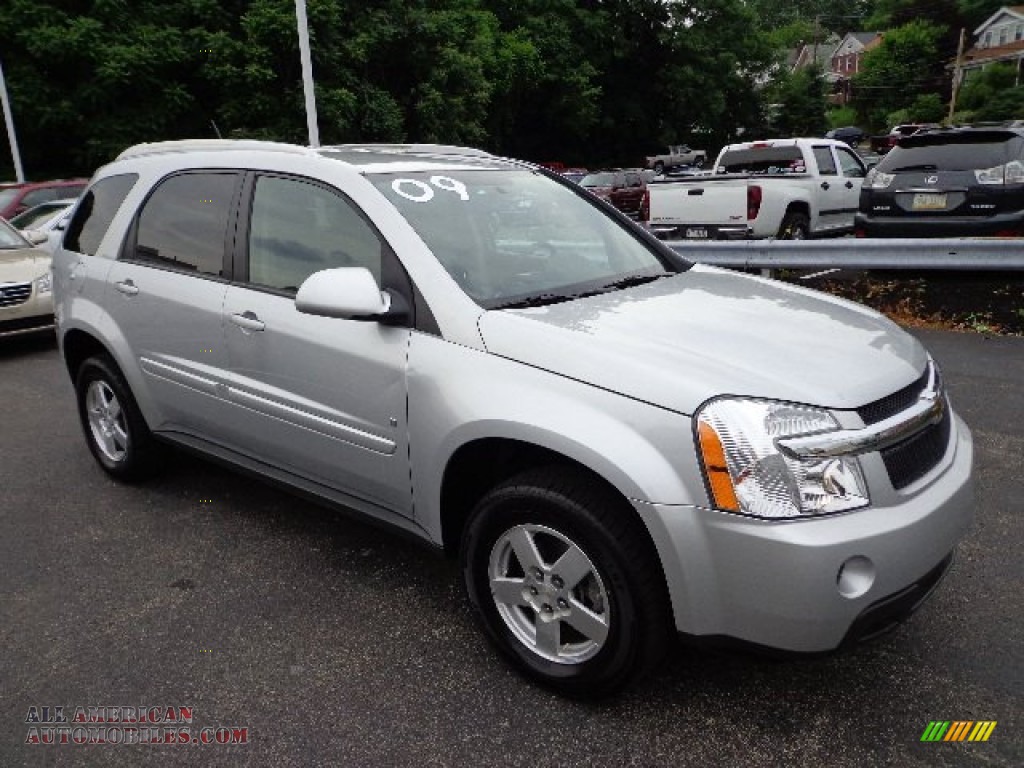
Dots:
(11, 137)
(307, 74)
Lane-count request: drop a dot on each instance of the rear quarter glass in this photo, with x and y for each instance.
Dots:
(95, 212)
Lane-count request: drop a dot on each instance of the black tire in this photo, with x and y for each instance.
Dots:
(795, 226)
(659, 168)
(128, 452)
(624, 587)
(699, 162)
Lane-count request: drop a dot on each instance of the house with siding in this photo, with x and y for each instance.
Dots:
(999, 39)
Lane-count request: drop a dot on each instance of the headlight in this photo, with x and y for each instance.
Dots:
(43, 284)
(878, 180)
(748, 474)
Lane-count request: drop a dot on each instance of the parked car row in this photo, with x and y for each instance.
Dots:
(36, 213)
(935, 182)
(18, 197)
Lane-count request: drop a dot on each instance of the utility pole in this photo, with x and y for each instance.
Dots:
(307, 74)
(12, 138)
(956, 76)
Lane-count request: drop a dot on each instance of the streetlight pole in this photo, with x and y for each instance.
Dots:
(9, 121)
(307, 74)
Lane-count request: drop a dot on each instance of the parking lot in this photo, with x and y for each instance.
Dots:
(334, 643)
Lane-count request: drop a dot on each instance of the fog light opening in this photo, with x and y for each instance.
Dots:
(855, 577)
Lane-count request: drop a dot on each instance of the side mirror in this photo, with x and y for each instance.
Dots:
(34, 236)
(350, 293)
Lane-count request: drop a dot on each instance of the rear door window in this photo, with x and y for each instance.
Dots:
(95, 212)
(184, 223)
(826, 162)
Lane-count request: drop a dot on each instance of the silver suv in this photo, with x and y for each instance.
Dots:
(615, 442)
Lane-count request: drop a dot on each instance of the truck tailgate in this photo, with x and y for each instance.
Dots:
(703, 207)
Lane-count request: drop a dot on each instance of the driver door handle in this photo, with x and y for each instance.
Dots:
(849, 185)
(127, 287)
(824, 185)
(248, 321)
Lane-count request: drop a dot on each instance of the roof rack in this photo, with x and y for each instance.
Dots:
(408, 149)
(199, 145)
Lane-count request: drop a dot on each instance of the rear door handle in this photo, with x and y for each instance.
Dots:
(695, 191)
(248, 321)
(849, 185)
(127, 287)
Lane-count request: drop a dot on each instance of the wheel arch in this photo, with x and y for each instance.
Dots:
(481, 464)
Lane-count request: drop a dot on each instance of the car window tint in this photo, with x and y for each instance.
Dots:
(184, 222)
(826, 163)
(96, 211)
(850, 163)
(962, 153)
(298, 228)
(767, 161)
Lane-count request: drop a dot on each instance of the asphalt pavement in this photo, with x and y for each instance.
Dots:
(334, 643)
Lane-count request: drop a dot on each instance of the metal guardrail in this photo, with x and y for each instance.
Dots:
(858, 253)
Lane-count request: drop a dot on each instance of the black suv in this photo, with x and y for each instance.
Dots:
(947, 183)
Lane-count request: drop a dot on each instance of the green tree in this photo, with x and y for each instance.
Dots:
(802, 104)
(904, 66)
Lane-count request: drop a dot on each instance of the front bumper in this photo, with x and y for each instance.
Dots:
(808, 585)
(30, 316)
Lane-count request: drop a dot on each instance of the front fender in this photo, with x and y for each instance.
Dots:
(458, 395)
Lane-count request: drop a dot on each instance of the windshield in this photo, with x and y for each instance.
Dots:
(36, 217)
(9, 238)
(516, 236)
(598, 180)
(7, 196)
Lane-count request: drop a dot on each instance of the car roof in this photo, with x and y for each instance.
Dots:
(366, 158)
(960, 136)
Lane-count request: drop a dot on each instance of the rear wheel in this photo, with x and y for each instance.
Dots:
(114, 427)
(795, 226)
(699, 162)
(659, 167)
(565, 582)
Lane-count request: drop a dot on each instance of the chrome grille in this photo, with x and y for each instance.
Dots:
(12, 294)
(882, 409)
(916, 456)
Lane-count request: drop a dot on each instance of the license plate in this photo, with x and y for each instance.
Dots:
(696, 233)
(928, 201)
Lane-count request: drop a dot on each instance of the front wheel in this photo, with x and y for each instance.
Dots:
(796, 226)
(659, 167)
(565, 582)
(114, 427)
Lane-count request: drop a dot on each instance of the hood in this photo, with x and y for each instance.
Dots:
(707, 332)
(23, 265)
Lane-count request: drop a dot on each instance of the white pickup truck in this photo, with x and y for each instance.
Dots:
(785, 188)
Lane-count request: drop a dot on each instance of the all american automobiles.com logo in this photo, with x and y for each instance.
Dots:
(163, 725)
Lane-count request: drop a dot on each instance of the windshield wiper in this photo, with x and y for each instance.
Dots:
(629, 282)
(541, 300)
